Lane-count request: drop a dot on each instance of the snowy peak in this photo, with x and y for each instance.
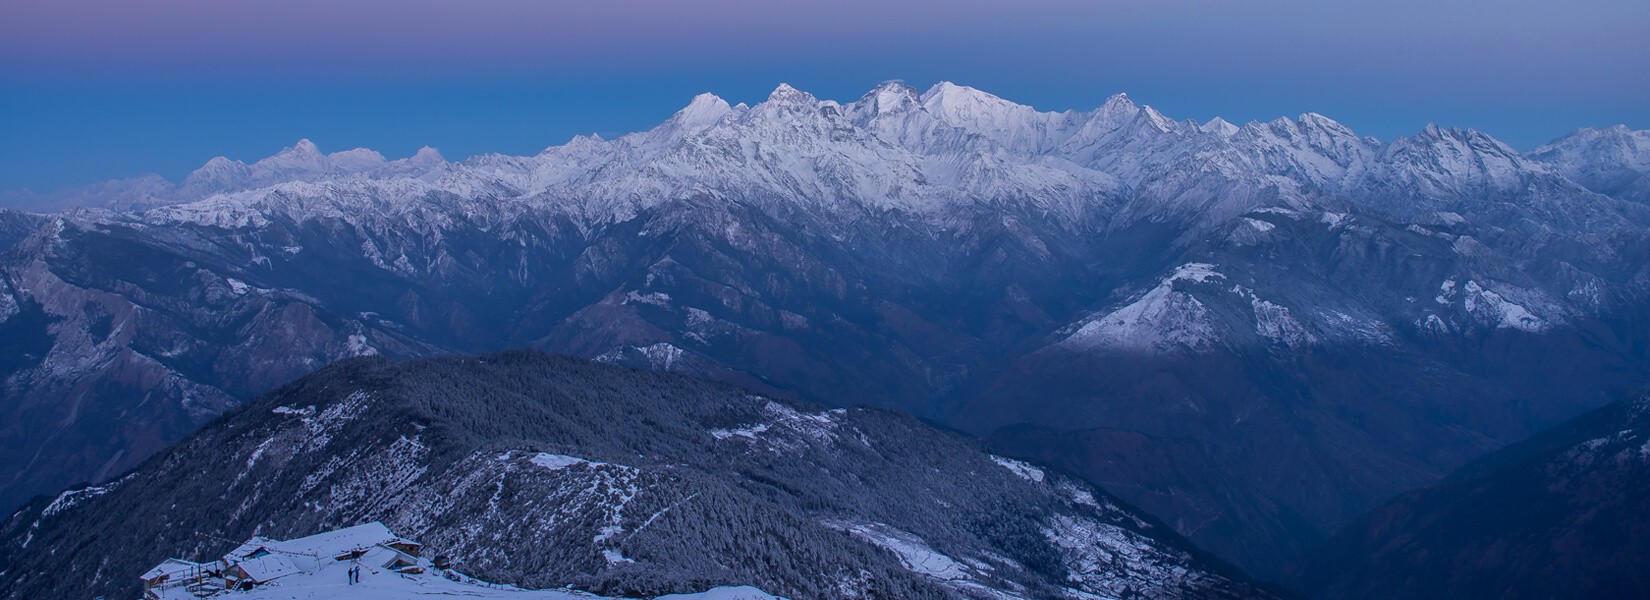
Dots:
(302, 157)
(1119, 104)
(787, 95)
(359, 159)
(1465, 140)
(218, 173)
(1012, 126)
(705, 110)
(1614, 161)
(1457, 137)
(1618, 145)
(1220, 127)
(894, 112)
(1318, 120)
(301, 161)
(950, 99)
(218, 164)
(1151, 117)
(426, 156)
(889, 97)
(1312, 148)
(1315, 122)
(785, 105)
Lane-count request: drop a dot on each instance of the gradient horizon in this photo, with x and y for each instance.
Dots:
(93, 90)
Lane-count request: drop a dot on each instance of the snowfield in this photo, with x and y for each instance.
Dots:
(331, 583)
(320, 567)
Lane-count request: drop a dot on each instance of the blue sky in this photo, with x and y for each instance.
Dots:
(97, 89)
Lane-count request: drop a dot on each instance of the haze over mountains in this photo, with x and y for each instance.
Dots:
(1294, 321)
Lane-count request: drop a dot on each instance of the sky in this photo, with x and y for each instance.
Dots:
(99, 89)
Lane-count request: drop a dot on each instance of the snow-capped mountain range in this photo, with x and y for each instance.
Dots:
(1372, 313)
(931, 152)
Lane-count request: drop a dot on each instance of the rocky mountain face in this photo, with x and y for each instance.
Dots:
(14, 226)
(1307, 321)
(541, 471)
(1561, 515)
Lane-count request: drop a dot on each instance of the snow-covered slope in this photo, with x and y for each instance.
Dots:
(319, 567)
(329, 584)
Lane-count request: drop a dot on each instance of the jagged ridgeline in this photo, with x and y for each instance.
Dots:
(544, 471)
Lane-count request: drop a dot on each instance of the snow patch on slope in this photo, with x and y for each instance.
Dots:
(913, 552)
(785, 428)
(1492, 308)
(556, 462)
(1162, 319)
(1106, 559)
(1021, 469)
(662, 356)
(69, 499)
(325, 580)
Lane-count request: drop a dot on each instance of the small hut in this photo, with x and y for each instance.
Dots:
(258, 570)
(175, 572)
